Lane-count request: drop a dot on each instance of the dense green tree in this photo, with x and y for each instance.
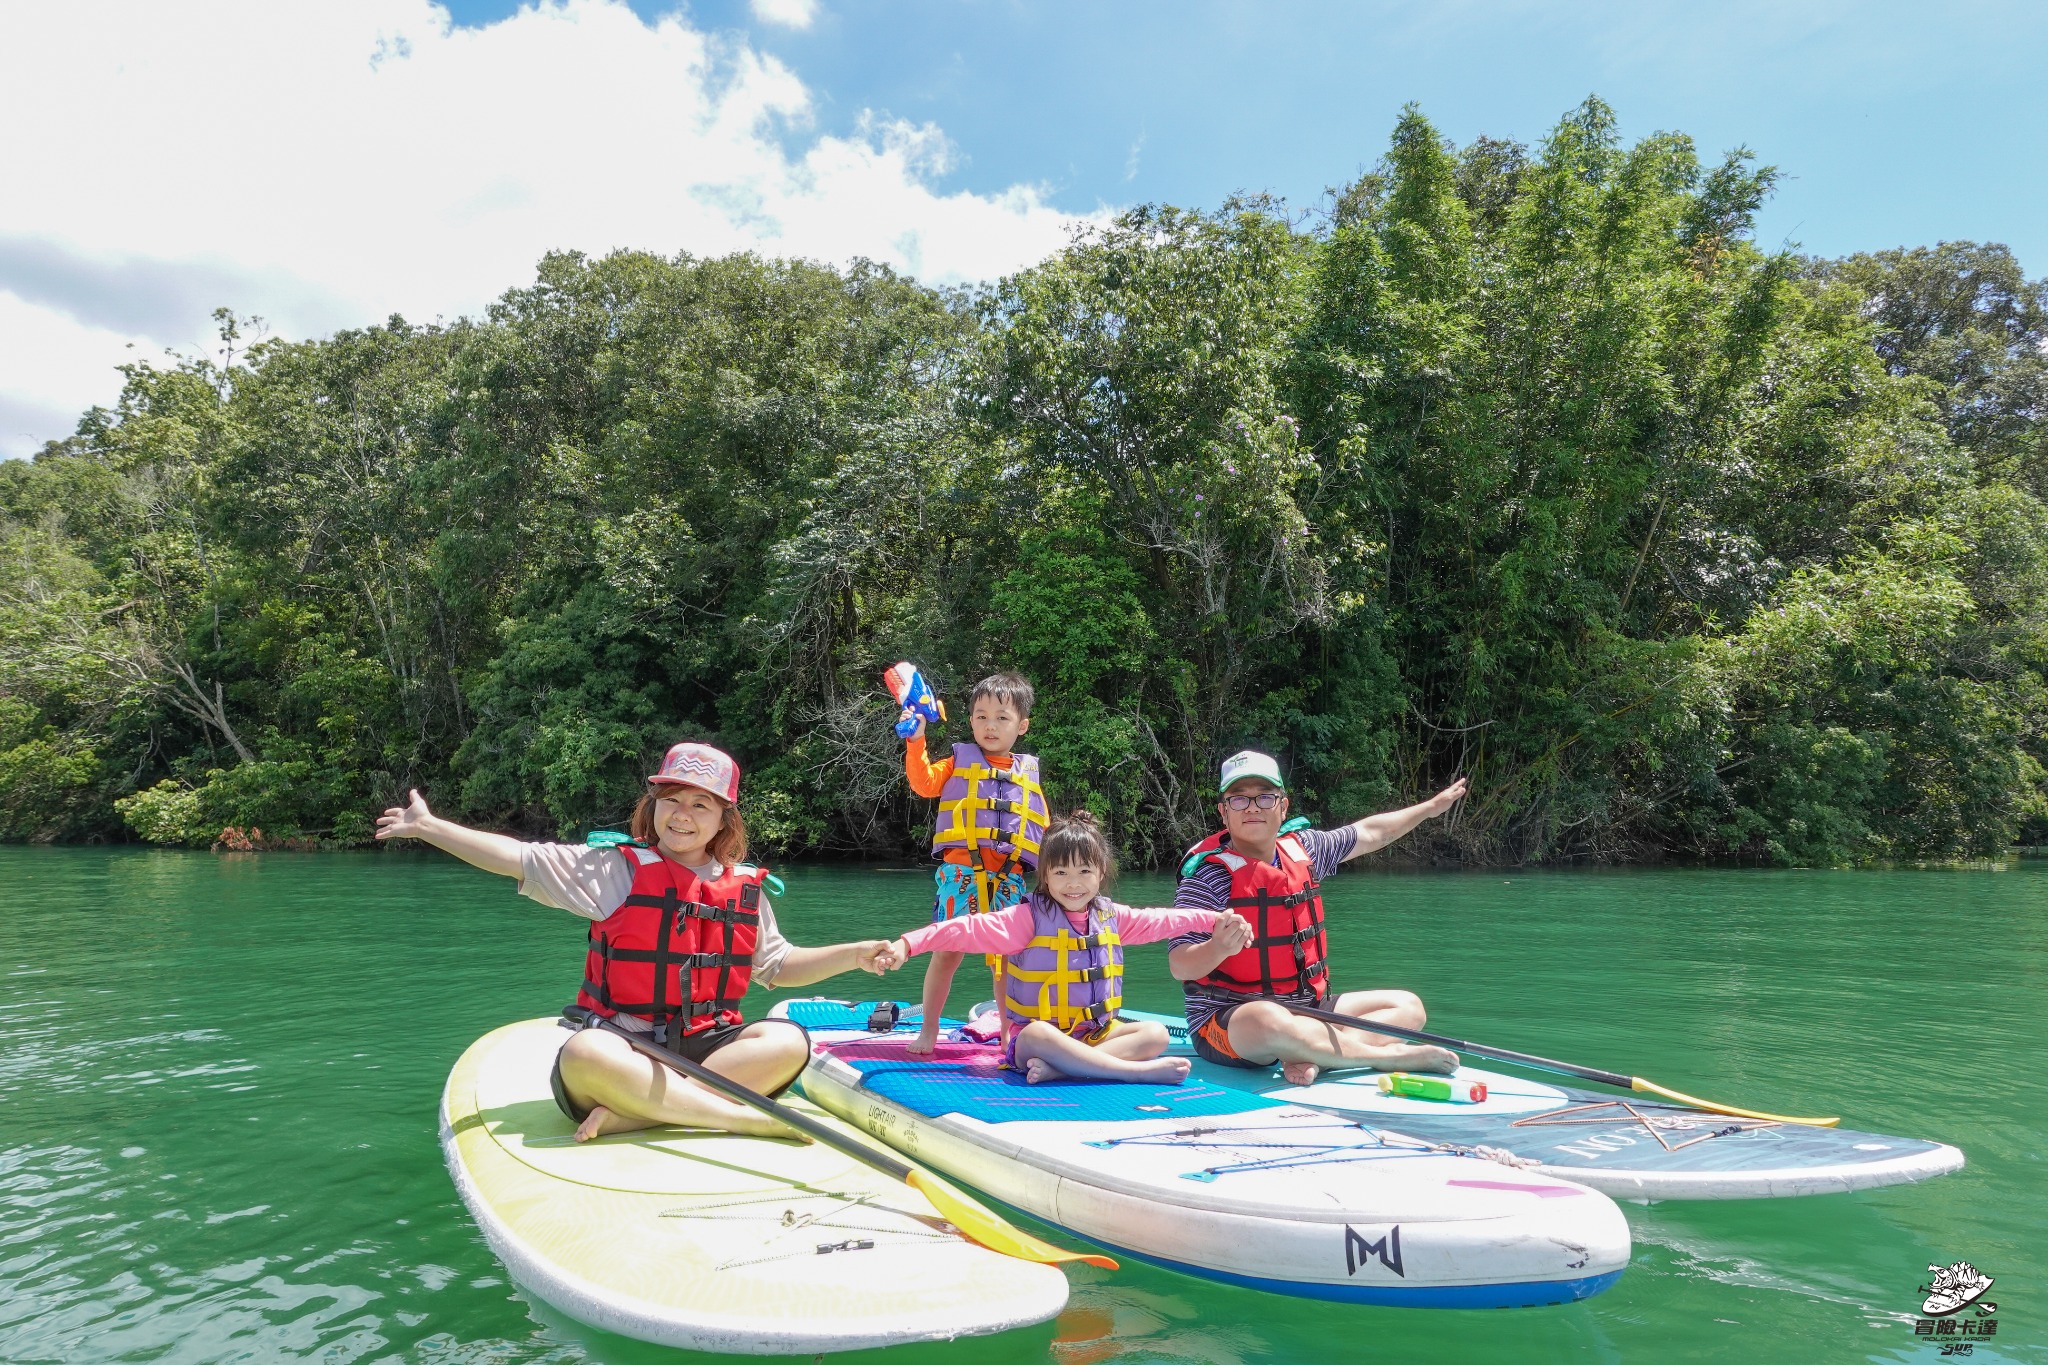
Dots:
(1521, 463)
(1962, 316)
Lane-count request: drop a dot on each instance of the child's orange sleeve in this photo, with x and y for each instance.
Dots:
(926, 777)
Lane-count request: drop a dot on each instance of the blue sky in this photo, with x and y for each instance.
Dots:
(1895, 124)
(327, 163)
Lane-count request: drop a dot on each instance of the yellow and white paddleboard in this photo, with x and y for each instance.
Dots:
(710, 1240)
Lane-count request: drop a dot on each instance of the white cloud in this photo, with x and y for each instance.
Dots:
(329, 164)
(52, 368)
(788, 13)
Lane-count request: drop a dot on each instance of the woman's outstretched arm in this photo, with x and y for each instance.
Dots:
(805, 966)
(499, 853)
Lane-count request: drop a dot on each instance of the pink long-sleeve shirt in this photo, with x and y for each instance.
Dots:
(1008, 930)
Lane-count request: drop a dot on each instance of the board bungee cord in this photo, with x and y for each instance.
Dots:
(978, 1223)
(1613, 1078)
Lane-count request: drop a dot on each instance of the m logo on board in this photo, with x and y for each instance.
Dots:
(1358, 1251)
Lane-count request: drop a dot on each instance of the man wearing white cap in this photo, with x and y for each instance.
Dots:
(1234, 999)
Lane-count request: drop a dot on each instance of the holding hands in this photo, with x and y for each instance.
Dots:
(866, 953)
(1233, 932)
(886, 957)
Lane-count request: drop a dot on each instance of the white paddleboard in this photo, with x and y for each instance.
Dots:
(1224, 1184)
(1627, 1145)
(712, 1241)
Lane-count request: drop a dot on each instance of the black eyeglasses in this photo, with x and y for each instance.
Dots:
(1264, 801)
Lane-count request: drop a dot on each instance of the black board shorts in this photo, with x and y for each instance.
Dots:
(1211, 1041)
(695, 1047)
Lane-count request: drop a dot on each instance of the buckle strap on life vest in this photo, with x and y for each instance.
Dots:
(1265, 898)
(1077, 960)
(687, 961)
(602, 993)
(1313, 971)
(1289, 942)
(1299, 936)
(726, 914)
(963, 817)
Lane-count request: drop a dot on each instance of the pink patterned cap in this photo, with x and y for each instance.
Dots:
(700, 765)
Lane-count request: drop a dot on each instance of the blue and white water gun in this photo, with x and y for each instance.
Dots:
(909, 688)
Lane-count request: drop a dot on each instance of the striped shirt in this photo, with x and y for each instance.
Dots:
(1209, 889)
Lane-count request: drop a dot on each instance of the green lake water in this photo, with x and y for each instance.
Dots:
(218, 1080)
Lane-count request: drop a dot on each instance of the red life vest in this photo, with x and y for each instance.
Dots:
(679, 947)
(1289, 950)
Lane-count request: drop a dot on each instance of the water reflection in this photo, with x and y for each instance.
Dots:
(218, 1080)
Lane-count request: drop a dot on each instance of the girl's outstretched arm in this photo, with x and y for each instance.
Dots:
(497, 853)
(999, 931)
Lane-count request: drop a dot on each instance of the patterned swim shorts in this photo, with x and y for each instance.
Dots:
(957, 895)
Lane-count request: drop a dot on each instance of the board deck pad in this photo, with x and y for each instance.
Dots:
(1625, 1145)
(841, 1015)
(1222, 1182)
(711, 1240)
(962, 1078)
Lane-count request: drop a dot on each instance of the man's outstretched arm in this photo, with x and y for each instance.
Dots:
(1377, 831)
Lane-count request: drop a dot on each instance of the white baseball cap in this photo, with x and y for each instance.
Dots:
(1250, 763)
(700, 765)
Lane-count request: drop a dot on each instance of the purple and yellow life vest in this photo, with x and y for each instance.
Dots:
(986, 807)
(1075, 982)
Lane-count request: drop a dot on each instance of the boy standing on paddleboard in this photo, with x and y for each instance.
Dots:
(991, 818)
(1234, 998)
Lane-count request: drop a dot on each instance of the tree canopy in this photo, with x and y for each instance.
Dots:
(1520, 463)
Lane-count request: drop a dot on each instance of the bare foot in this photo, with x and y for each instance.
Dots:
(1421, 1057)
(1300, 1073)
(754, 1123)
(601, 1120)
(1166, 1071)
(775, 1128)
(926, 1042)
(1037, 1069)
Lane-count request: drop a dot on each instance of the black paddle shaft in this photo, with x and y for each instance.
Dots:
(732, 1089)
(1460, 1045)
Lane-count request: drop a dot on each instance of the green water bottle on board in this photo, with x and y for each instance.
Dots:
(1433, 1088)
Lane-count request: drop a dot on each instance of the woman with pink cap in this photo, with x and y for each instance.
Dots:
(680, 925)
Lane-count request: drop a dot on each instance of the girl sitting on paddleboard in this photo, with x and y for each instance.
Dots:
(680, 924)
(1062, 972)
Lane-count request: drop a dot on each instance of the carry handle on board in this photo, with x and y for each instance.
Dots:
(1613, 1078)
(977, 1223)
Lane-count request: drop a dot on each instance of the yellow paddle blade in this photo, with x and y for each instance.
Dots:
(1638, 1083)
(984, 1227)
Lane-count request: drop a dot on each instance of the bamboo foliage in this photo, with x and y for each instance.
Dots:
(1524, 463)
